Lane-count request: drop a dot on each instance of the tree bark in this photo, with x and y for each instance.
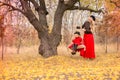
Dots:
(2, 48)
(56, 31)
(46, 49)
(106, 41)
(117, 43)
(50, 41)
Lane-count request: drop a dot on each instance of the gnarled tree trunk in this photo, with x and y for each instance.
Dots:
(46, 48)
(50, 41)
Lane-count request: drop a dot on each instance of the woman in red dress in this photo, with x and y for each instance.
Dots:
(88, 38)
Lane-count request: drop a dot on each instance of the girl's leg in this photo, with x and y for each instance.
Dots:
(73, 47)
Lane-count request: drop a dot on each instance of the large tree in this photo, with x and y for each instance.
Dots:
(49, 40)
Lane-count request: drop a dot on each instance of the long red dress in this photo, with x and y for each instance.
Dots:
(78, 41)
(88, 41)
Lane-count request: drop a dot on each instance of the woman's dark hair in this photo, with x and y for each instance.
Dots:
(77, 33)
(93, 17)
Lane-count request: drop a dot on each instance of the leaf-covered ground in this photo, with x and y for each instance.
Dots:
(63, 67)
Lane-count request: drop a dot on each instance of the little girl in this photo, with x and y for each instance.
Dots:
(77, 44)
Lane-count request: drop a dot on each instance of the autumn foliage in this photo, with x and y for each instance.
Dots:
(111, 20)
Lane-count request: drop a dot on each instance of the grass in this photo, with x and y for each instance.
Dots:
(29, 65)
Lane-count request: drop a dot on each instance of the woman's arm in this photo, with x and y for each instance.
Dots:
(81, 46)
(92, 27)
(83, 27)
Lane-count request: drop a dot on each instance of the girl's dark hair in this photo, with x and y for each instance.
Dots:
(78, 27)
(93, 17)
(77, 33)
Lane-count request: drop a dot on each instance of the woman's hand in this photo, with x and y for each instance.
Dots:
(83, 30)
(81, 46)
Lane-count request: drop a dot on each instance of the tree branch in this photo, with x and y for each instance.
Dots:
(71, 6)
(36, 5)
(85, 8)
(43, 6)
(13, 8)
(70, 3)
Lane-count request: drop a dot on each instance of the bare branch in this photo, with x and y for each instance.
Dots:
(25, 5)
(43, 7)
(13, 8)
(36, 5)
(70, 3)
(71, 6)
(86, 8)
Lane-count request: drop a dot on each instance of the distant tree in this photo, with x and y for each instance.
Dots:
(2, 31)
(50, 40)
(111, 22)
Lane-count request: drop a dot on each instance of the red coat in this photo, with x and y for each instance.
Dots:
(78, 41)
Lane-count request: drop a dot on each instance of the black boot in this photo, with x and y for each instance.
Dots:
(74, 48)
(73, 53)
